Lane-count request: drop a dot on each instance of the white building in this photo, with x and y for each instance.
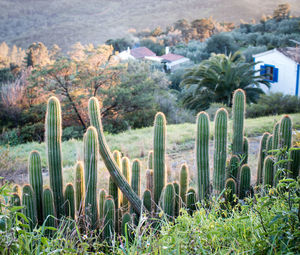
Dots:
(136, 53)
(282, 68)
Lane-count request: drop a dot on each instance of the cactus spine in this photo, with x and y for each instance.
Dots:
(102, 198)
(70, 201)
(109, 219)
(268, 172)
(202, 154)
(245, 178)
(184, 183)
(36, 182)
(220, 145)
(176, 199)
(48, 209)
(90, 175)
(159, 155)
(29, 203)
(239, 100)
(169, 200)
(53, 142)
(285, 132)
(114, 170)
(147, 200)
(233, 167)
(230, 184)
(294, 165)
(126, 173)
(245, 151)
(150, 160)
(261, 157)
(191, 200)
(79, 187)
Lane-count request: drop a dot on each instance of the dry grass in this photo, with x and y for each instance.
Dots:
(65, 22)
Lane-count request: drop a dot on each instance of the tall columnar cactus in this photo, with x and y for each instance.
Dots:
(261, 157)
(114, 170)
(294, 165)
(230, 186)
(149, 180)
(136, 177)
(285, 132)
(220, 146)
(53, 142)
(159, 155)
(245, 178)
(79, 187)
(17, 189)
(239, 101)
(90, 175)
(102, 198)
(126, 222)
(245, 150)
(191, 200)
(169, 200)
(233, 167)
(109, 219)
(126, 170)
(48, 209)
(184, 183)
(36, 182)
(147, 200)
(202, 154)
(113, 192)
(29, 203)
(70, 201)
(276, 136)
(15, 200)
(150, 160)
(176, 199)
(269, 145)
(118, 159)
(268, 171)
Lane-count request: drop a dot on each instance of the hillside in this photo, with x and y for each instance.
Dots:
(65, 22)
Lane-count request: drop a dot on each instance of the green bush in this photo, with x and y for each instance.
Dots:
(273, 104)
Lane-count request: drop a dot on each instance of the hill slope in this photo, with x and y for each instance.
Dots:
(65, 22)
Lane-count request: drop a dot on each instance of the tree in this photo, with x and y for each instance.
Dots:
(37, 54)
(221, 43)
(282, 12)
(215, 79)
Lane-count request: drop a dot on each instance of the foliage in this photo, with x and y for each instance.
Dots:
(273, 104)
(221, 43)
(215, 79)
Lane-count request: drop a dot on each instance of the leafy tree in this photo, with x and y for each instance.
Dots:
(282, 12)
(215, 79)
(37, 54)
(221, 43)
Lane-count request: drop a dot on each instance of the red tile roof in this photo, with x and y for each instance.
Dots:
(170, 57)
(141, 52)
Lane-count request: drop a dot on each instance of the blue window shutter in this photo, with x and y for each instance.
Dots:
(262, 70)
(275, 75)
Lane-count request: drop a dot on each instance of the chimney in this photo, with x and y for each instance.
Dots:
(167, 50)
(128, 50)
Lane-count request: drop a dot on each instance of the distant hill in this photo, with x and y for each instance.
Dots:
(65, 22)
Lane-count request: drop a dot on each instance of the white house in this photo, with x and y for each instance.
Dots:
(282, 68)
(136, 53)
(172, 61)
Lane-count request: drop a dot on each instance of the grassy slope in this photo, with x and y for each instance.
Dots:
(136, 144)
(94, 21)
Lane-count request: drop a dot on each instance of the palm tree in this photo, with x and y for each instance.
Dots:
(215, 80)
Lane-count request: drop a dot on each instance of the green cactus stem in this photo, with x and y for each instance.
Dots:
(15, 200)
(230, 186)
(294, 164)
(269, 145)
(202, 154)
(109, 219)
(126, 170)
(29, 203)
(268, 171)
(177, 198)
(150, 160)
(285, 132)
(149, 180)
(102, 197)
(261, 157)
(233, 167)
(238, 112)
(36, 182)
(184, 183)
(245, 151)
(245, 178)
(114, 170)
(17, 189)
(275, 145)
(53, 143)
(169, 200)
(220, 146)
(126, 223)
(90, 175)
(147, 200)
(70, 201)
(113, 192)
(136, 183)
(79, 187)
(159, 145)
(48, 210)
(191, 201)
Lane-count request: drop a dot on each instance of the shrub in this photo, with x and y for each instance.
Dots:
(273, 104)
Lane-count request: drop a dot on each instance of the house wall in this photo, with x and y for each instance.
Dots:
(176, 64)
(287, 72)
